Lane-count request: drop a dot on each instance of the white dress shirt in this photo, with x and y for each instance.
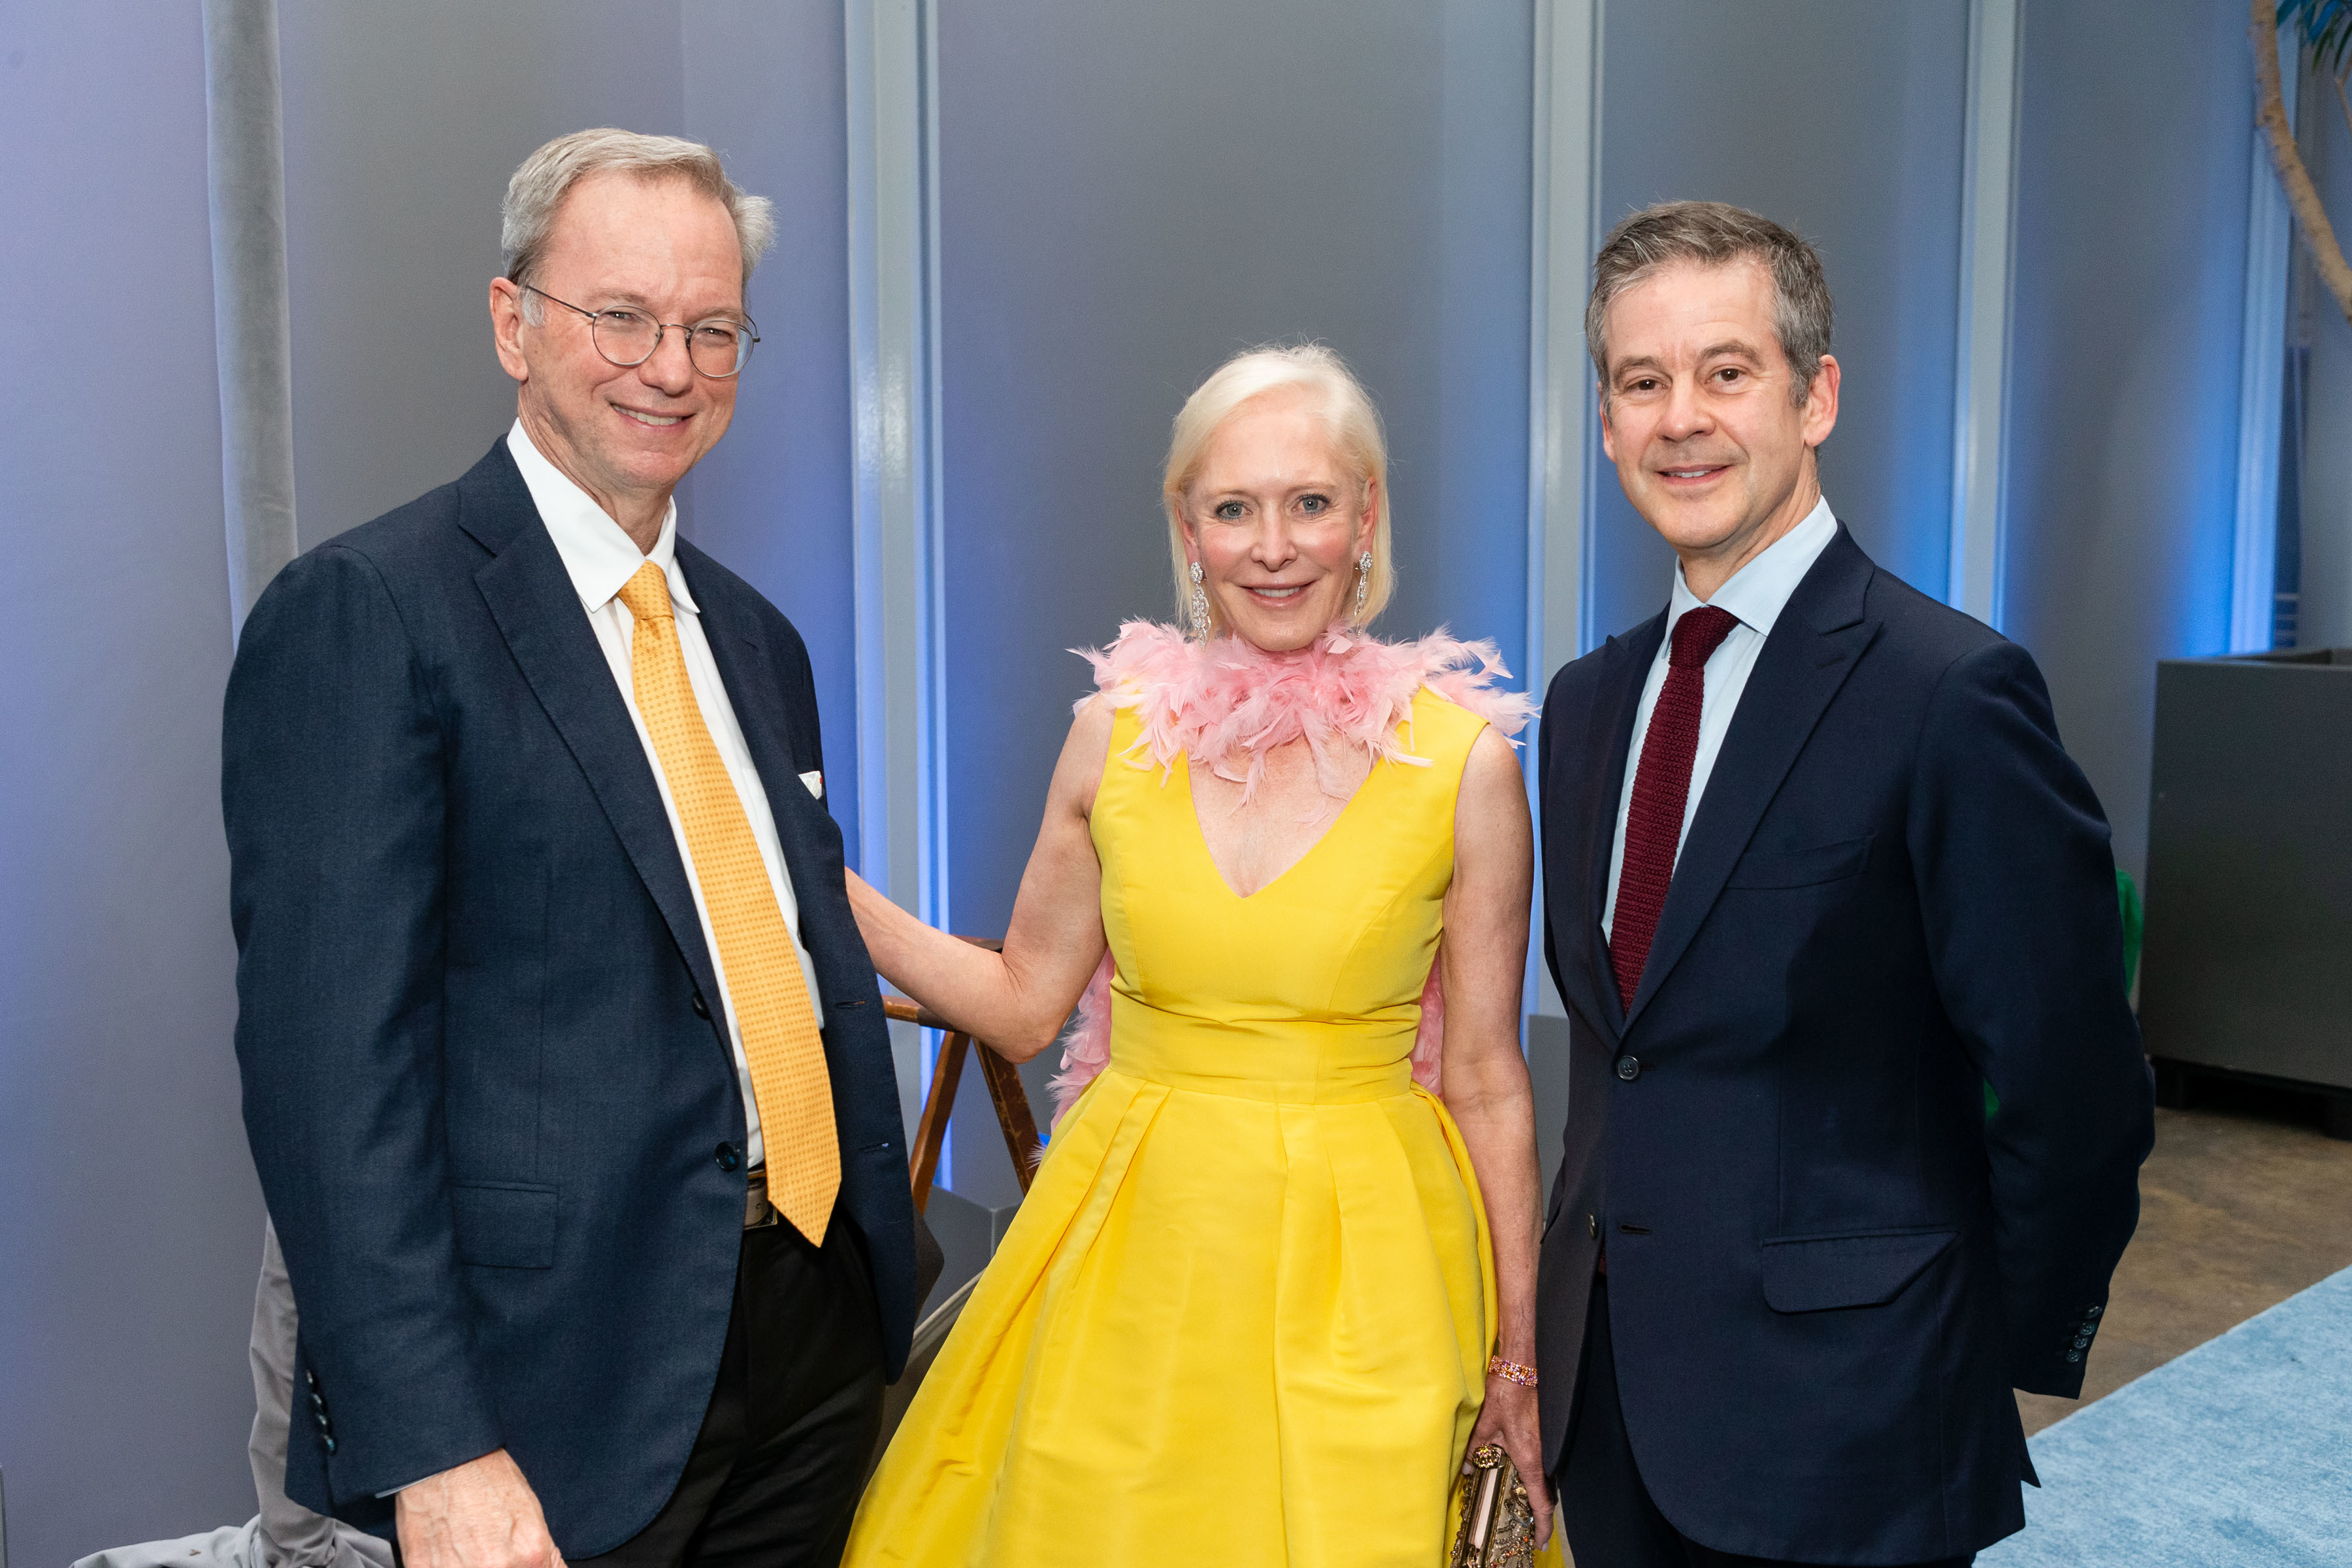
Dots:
(599, 558)
(1757, 593)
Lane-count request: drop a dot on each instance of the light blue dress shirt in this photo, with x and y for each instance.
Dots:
(1757, 593)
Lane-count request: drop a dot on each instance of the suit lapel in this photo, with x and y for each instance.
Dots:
(805, 829)
(740, 654)
(1625, 665)
(532, 599)
(1814, 646)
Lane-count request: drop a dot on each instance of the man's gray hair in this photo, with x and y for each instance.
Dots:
(1714, 234)
(547, 176)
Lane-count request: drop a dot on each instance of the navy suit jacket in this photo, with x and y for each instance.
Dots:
(1827, 1269)
(494, 1108)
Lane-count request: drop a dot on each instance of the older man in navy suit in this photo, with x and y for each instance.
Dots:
(1817, 872)
(565, 1064)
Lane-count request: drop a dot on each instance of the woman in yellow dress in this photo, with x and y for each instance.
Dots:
(1276, 1272)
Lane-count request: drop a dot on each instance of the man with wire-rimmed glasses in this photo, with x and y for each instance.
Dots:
(564, 1067)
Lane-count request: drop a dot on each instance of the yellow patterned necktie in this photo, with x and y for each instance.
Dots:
(789, 1081)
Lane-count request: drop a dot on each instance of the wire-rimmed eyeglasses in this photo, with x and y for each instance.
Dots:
(718, 346)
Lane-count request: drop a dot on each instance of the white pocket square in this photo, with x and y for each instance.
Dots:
(815, 783)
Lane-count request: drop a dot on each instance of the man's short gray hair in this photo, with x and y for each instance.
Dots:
(547, 176)
(1714, 234)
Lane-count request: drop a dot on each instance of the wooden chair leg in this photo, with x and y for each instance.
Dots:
(1012, 1117)
(932, 1132)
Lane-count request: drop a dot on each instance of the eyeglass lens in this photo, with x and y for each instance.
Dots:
(718, 347)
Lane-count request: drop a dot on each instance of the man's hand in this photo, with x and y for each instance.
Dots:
(482, 1514)
(1509, 1418)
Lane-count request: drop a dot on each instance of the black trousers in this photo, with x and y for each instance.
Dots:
(1606, 1512)
(775, 1473)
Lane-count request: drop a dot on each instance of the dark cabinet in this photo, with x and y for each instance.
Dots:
(2248, 963)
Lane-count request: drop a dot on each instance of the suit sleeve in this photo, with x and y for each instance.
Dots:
(2018, 896)
(333, 795)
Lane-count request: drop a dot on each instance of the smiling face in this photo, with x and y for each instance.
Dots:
(1699, 420)
(1277, 519)
(625, 434)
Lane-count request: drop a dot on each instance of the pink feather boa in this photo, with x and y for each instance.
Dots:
(1225, 703)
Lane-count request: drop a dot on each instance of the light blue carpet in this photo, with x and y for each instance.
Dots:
(2238, 1455)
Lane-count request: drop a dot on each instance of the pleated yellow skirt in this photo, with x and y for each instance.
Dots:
(1220, 1331)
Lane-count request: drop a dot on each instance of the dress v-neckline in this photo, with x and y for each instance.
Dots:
(1330, 831)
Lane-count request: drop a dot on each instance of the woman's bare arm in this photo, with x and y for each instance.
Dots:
(1016, 1000)
(1487, 1077)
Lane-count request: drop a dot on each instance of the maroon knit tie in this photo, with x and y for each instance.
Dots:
(1654, 823)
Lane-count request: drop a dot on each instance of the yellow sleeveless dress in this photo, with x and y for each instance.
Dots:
(1242, 1317)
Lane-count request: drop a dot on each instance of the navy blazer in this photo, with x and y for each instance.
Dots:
(1827, 1269)
(495, 1112)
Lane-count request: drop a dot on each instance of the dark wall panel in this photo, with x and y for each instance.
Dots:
(1843, 120)
(2126, 336)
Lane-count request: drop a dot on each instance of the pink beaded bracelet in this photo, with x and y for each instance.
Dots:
(1525, 1376)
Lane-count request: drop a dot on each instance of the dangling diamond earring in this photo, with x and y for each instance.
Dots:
(1363, 581)
(1201, 606)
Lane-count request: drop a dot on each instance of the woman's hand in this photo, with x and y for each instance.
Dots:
(1511, 1418)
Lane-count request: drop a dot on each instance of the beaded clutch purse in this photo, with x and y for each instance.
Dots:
(1499, 1521)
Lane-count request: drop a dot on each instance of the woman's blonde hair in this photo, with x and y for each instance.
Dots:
(1348, 413)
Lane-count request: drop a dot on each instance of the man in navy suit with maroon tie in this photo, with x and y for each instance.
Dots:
(1817, 871)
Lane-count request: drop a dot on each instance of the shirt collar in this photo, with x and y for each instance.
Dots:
(596, 554)
(1759, 591)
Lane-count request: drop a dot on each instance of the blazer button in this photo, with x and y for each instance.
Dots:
(331, 1446)
(729, 1157)
(1592, 1225)
(1629, 1067)
(702, 1008)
